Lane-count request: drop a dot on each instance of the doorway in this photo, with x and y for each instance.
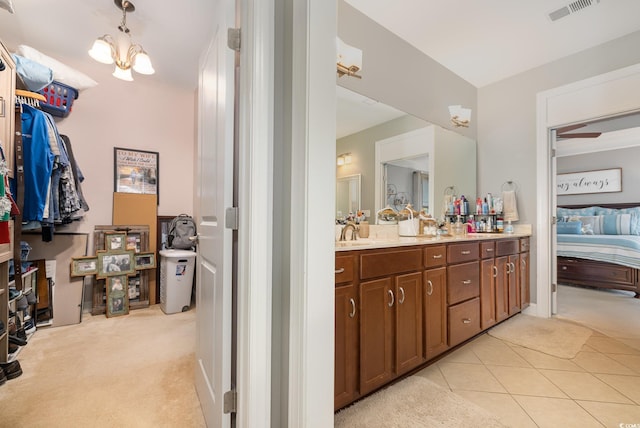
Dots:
(605, 96)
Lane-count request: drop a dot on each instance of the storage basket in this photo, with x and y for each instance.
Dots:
(59, 99)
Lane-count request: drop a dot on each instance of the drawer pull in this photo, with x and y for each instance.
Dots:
(508, 265)
(437, 256)
(466, 321)
(341, 270)
(430, 289)
(489, 250)
(392, 298)
(564, 268)
(401, 300)
(466, 282)
(513, 267)
(495, 271)
(524, 264)
(465, 252)
(353, 308)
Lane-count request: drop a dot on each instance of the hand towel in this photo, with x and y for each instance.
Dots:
(510, 206)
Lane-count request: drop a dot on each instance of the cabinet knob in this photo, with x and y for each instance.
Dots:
(353, 308)
(466, 282)
(489, 250)
(495, 271)
(341, 270)
(466, 321)
(392, 298)
(401, 300)
(437, 256)
(465, 252)
(430, 289)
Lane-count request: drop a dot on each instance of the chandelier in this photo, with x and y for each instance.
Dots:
(107, 51)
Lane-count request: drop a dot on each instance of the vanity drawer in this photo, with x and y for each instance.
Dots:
(464, 321)
(487, 249)
(524, 245)
(460, 253)
(464, 282)
(387, 262)
(506, 247)
(435, 256)
(345, 269)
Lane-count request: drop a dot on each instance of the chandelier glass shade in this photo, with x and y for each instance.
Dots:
(106, 50)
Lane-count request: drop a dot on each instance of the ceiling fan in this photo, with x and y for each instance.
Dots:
(563, 132)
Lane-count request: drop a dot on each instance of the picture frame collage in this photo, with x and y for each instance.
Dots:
(120, 259)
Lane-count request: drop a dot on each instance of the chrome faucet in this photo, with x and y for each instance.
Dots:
(343, 234)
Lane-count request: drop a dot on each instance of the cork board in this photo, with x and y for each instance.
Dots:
(133, 208)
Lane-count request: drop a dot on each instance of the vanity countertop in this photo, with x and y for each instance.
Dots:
(403, 241)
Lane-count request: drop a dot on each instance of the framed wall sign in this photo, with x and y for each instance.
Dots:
(136, 171)
(599, 181)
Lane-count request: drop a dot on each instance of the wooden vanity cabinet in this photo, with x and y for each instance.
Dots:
(525, 274)
(488, 274)
(390, 315)
(463, 291)
(435, 326)
(347, 353)
(397, 308)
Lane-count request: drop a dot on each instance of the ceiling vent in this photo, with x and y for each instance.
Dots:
(573, 7)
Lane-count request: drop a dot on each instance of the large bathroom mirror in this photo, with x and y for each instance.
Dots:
(400, 158)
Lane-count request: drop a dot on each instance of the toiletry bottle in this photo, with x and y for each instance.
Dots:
(508, 228)
(479, 206)
(485, 207)
(500, 224)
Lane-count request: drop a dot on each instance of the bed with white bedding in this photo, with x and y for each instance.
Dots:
(608, 258)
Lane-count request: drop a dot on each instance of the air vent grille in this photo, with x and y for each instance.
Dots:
(572, 7)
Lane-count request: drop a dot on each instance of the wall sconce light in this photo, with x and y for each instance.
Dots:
(460, 116)
(106, 50)
(344, 159)
(349, 59)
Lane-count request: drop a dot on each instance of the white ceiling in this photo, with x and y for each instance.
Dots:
(490, 40)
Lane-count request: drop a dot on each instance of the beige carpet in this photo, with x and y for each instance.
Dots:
(130, 371)
(548, 335)
(411, 403)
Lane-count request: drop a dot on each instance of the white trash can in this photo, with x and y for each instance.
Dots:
(176, 279)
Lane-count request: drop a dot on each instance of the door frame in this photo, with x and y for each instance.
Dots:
(609, 94)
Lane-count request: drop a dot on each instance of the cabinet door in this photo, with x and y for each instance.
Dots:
(377, 301)
(514, 284)
(435, 312)
(346, 347)
(408, 343)
(488, 275)
(502, 288)
(525, 293)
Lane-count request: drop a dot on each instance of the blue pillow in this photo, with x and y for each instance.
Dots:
(569, 227)
(571, 212)
(615, 224)
(635, 216)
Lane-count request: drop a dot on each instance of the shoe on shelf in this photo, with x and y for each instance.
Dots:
(11, 370)
(21, 334)
(21, 303)
(29, 326)
(31, 298)
(13, 348)
(16, 340)
(14, 294)
(3, 378)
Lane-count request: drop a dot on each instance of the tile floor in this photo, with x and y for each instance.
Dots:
(600, 387)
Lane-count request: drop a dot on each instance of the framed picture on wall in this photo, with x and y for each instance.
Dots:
(136, 171)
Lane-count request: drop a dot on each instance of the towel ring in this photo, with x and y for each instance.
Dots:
(450, 191)
(509, 185)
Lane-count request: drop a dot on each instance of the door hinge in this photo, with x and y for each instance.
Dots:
(230, 404)
(553, 153)
(231, 217)
(554, 288)
(233, 39)
(554, 220)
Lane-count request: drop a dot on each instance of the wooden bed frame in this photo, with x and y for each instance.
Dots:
(592, 273)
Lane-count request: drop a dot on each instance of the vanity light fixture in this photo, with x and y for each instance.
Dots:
(343, 159)
(106, 49)
(349, 59)
(460, 116)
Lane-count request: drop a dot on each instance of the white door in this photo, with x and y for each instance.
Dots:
(214, 183)
(554, 238)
